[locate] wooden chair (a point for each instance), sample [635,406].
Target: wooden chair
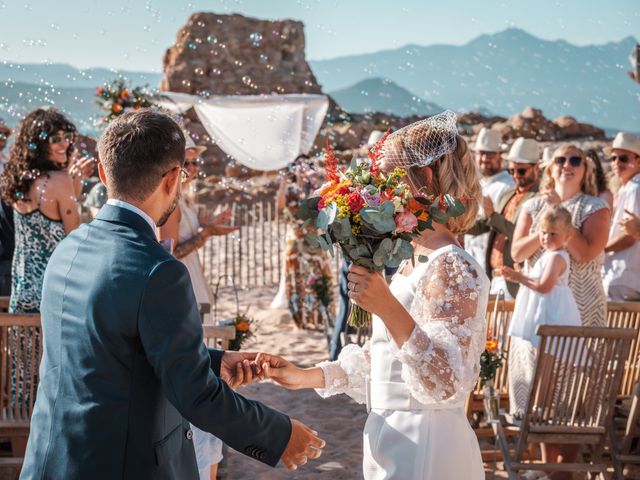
[4,304]
[625,449]
[578,373]
[20,354]
[217,336]
[498,318]
[627,315]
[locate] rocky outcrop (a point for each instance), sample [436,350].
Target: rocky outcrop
[532,123]
[235,55]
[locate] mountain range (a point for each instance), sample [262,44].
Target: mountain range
[501,73]
[504,73]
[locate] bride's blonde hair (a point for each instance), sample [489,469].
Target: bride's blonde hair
[453,173]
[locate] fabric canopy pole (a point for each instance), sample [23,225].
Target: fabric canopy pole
[260,132]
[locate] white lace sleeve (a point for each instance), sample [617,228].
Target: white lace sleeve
[348,373]
[441,357]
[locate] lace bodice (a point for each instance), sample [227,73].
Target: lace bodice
[447,298]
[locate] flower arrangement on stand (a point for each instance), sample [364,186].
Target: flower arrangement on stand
[119,97]
[373,216]
[490,360]
[242,324]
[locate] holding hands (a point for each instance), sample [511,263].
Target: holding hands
[487,206]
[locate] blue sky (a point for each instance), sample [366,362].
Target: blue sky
[133,34]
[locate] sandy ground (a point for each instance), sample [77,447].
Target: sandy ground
[338,420]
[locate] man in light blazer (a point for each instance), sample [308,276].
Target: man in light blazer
[124,367]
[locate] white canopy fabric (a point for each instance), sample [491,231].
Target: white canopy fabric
[260,132]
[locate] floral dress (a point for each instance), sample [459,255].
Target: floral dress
[308,276]
[36,237]
[417,428]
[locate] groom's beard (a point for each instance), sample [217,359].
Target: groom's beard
[167,213]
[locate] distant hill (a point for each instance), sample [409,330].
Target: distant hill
[505,72]
[381,95]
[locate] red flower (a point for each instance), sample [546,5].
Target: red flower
[374,155]
[331,165]
[356,202]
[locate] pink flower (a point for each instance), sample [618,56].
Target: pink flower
[406,222]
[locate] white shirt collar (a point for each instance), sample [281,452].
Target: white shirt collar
[132,208]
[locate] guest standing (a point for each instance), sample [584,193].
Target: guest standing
[6,222]
[499,220]
[568,181]
[43,195]
[622,261]
[602,184]
[494,180]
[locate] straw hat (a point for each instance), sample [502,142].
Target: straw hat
[191,145]
[524,150]
[625,141]
[374,137]
[547,156]
[488,140]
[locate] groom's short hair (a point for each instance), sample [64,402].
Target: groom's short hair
[136,150]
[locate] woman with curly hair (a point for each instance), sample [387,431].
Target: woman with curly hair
[43,192]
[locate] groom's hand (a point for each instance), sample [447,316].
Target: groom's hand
[304,444]
[237,368]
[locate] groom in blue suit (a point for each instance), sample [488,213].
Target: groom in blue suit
[124,368]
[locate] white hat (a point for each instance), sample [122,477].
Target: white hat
[547,156]
[625,141]
[524,150]
[374,137]
[191,145]
[488,140]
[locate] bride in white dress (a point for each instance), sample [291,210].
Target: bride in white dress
[428,333]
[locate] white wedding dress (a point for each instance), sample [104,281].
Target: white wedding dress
[417,427]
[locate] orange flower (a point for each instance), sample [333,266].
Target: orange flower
[243,326]
[124,94]
[117,108]
[491,345]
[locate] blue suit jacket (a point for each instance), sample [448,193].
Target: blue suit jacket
[124,366]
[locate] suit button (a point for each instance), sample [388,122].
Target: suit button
[189,434]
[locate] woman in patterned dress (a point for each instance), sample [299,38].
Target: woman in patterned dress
[569,180]
[305,265]
[43,195]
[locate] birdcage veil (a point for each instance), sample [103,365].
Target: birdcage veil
[422,142]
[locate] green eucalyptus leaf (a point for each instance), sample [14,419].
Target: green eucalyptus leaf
[326,216]
[341,229]
[455,207]
[402,250]
[308,209]
[312,240]
[379,219]
[423,258]
[438,215]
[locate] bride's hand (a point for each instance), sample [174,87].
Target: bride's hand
[286,374]
[368,289]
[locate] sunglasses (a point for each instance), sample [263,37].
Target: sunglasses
[622,158]
[183,173]
[519,171]
[191,163]
[4,134]
[573,161]
[69,137]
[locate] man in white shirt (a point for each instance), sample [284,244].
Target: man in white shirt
[622,261]
[495,181]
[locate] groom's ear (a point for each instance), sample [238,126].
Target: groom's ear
[101,174]
[169,181]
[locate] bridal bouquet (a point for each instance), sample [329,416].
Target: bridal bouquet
[372,216]
[118,97]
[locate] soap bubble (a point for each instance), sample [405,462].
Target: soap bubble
[246,80]
[216,71]
[192,46]
[256,38]
[264,57]
[211,39]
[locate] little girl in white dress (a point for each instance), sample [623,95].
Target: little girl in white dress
[543,299]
